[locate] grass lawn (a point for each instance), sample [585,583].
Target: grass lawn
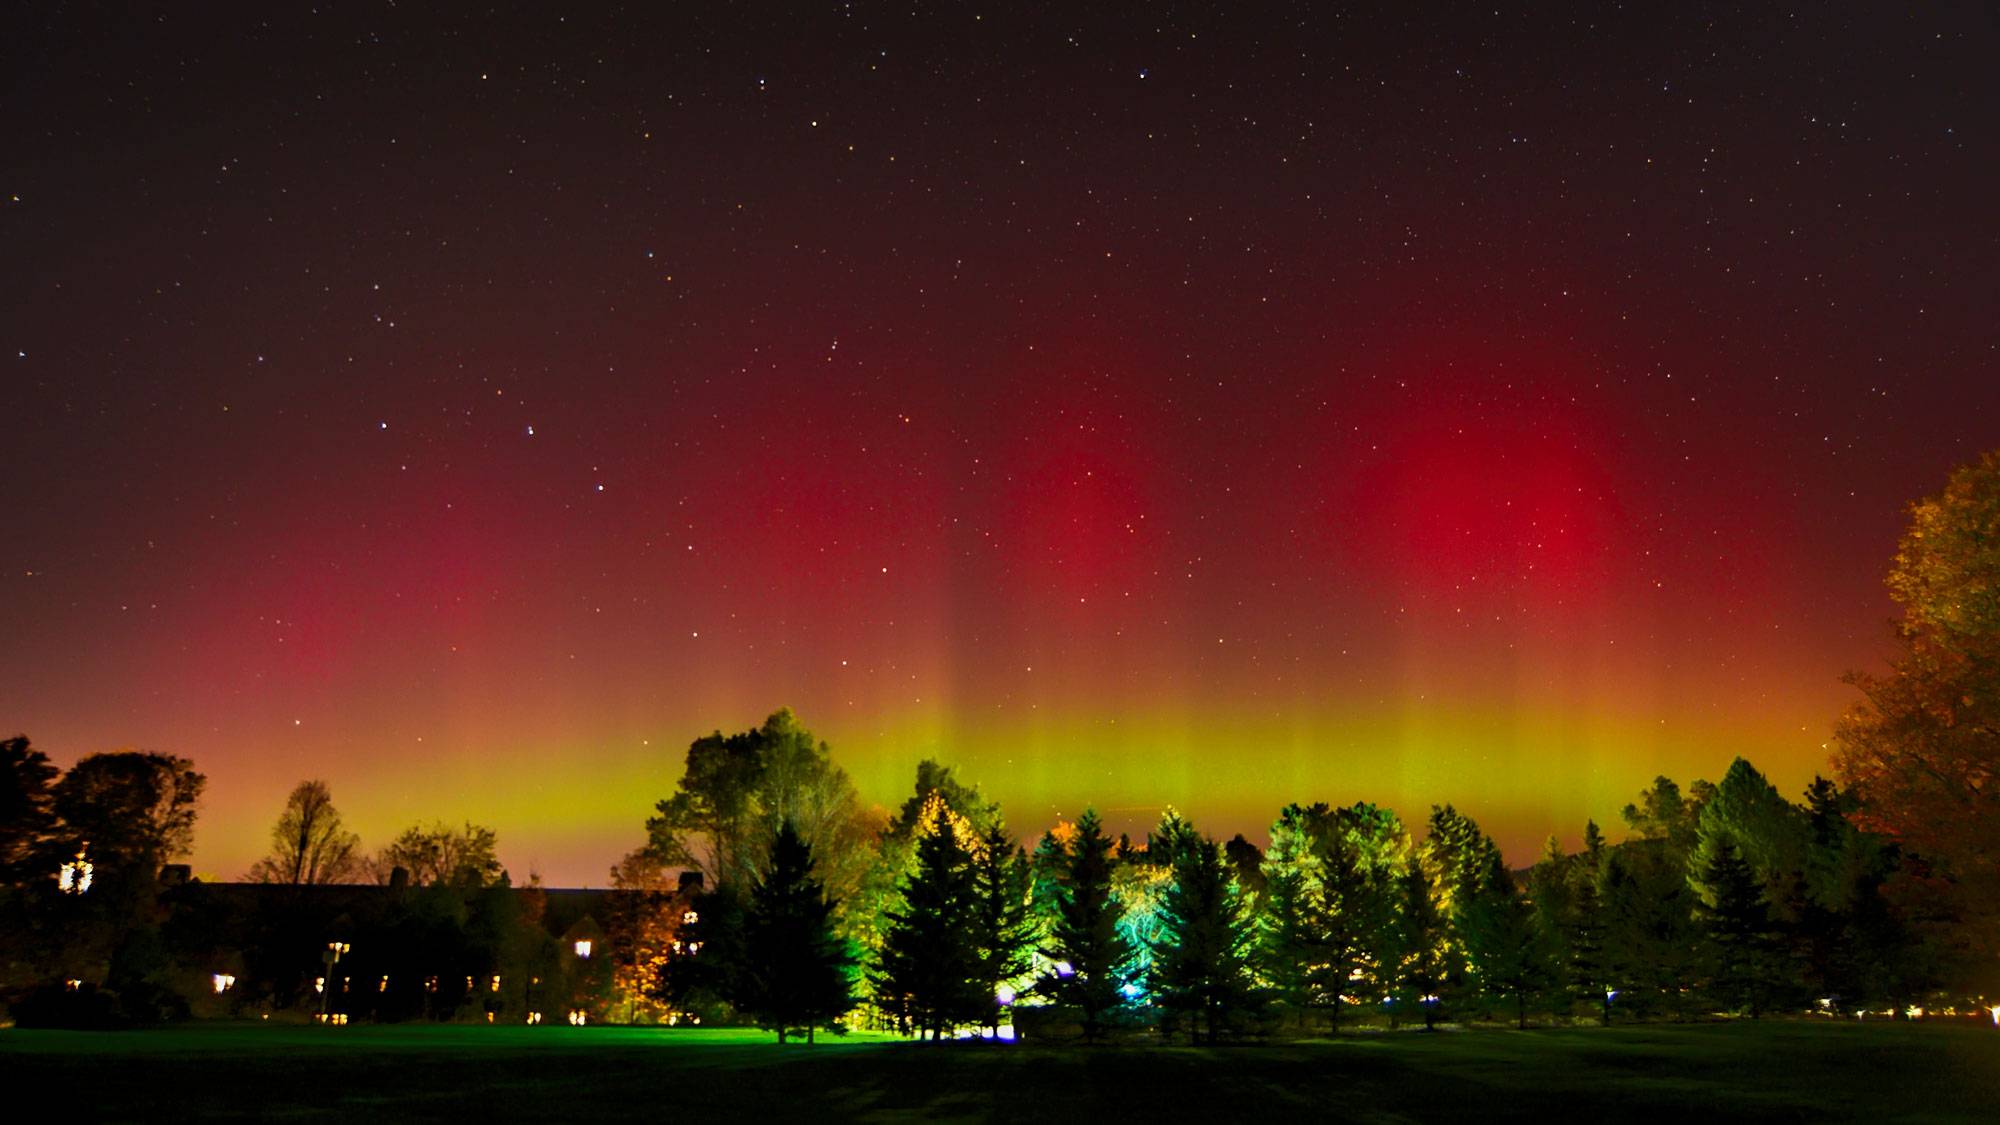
[1779,1071]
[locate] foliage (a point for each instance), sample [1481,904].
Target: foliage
[796,974]
[27,813]
[1744,970]
[1005,926]
[737,789]
[1201,960]
[931,970]
[309,844]
[1922,749]
[131,808]
[440,855]
[1087,953]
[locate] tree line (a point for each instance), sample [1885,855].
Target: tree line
[1876,890]
[1725,898]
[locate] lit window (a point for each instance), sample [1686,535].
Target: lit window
[583,948]
[223,982]
[690,917]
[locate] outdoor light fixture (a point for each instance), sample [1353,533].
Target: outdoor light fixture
[1994,1011]
[334,951]
[1006,996]
[73,878]
[534,1018]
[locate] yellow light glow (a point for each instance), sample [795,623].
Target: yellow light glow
[223,982]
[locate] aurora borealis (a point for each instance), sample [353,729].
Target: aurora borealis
[1217,410]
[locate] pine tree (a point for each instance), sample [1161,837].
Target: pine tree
[930,971]
[1088,953]
[1421,932]
[1584,926]
[1742,939]
[1201,962]
[1289,941]
[1507,952]
[795,973]
[1005,927]
[1352,911]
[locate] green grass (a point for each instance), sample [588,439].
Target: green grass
[1776,1071]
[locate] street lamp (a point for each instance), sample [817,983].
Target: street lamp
[334,950]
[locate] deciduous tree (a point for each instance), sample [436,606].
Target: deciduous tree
[309,844]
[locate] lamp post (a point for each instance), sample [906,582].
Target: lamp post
[332,958]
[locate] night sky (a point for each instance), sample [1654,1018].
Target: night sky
[1218,409]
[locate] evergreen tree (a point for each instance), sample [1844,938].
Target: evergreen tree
[931,973]
[1549,889]
[1290,915]
[1088,952]
[1742,939]
[1005,926]
[795,973]
[1421,932]
[1588,976]
[1201,963]
[1352,913]
[1507,952]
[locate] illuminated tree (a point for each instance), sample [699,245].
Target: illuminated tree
[1922,750]
[1088,954]
[931,971]
[440,855]
[1420,941]
[1460,858]
[879,890]
[644,927]
[1291,917]
[1201,961]
[796,974]
[309,844]
[1006,927]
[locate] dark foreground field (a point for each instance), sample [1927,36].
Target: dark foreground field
[1769,1071]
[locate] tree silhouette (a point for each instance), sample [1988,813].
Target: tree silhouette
[1201,962]
[796,974]
[1737,915]
[1088,953]
[309,844]
[27,814]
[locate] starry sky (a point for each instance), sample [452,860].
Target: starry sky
[1216,407]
